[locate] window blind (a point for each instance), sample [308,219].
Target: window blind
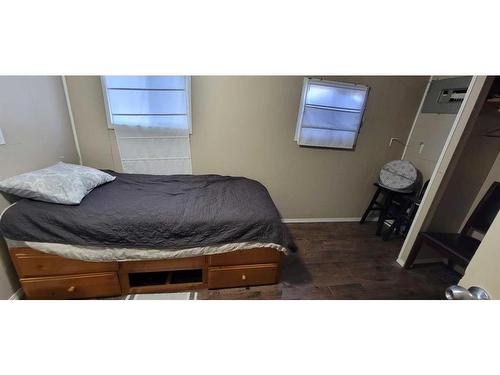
[151,116]
[330,114]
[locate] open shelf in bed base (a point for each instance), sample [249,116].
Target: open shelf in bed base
[47,276]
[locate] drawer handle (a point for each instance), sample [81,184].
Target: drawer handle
[71,289]
[243,277]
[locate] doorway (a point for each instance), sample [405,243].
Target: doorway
[468,165]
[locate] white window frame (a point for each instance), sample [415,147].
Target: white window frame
[305,88]
[108,111]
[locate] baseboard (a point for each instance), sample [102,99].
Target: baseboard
[19,294]
[321,220]
[325,220]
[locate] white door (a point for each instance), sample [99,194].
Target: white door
[484,269]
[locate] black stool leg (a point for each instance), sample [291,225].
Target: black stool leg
[413,212]
[398,220]
[383,212]
[393,228]
[370,206]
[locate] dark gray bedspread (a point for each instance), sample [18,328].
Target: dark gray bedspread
[176,212]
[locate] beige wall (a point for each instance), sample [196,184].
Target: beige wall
[97,143]
[245,126]
[35,122]
[431,131]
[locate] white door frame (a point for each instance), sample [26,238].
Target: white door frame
[474,92]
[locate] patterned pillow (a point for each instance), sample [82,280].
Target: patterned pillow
[61,183]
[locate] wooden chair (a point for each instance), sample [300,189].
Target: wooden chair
[460,247]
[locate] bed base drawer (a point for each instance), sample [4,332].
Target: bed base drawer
[72,287]
[244,275]
[47,276]
[32,263]
[254,256]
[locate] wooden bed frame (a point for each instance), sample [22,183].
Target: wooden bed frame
[47,276]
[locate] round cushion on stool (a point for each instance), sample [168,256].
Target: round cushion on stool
[398,175]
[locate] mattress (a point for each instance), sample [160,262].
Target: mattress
[152,217]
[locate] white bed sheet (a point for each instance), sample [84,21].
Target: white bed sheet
[106,254]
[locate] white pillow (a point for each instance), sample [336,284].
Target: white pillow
[60,183]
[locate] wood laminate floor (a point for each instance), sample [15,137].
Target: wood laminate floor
[345,261]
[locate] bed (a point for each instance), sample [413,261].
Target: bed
[146,233]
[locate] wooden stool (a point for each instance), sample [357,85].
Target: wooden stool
[388,199]
[407,211]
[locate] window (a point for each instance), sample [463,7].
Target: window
[330,114]
[156,101]
[151,116]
